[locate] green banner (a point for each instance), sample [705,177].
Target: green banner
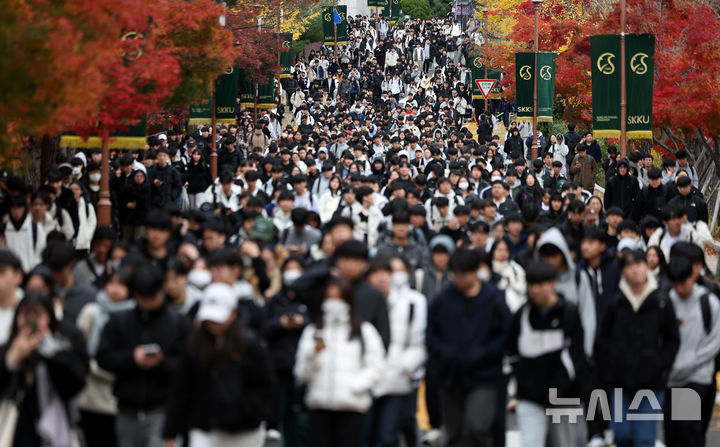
[524,70]
[200,113]
[247,91]
[372,4]
[226,93]
[546,86]
[383,5]
[266,95]
[524,74]
[640,69]
[329,25]
[478,72]
[286,54]
[605,62]
[639,72]
[395,11]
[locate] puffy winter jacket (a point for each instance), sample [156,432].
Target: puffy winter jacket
[406,354]
[341,376]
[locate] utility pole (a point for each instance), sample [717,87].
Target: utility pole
[534,147]
[623,84]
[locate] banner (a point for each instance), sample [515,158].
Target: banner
[546,87]
[286,54]
[395,11]
[226,93]
[132,138]
[328,25]
[383,5]
[266,95]
[478,72]
[605,62]
[524,63]
[640,72]
[247,91]
[606,83]
[524,74]
[372,4]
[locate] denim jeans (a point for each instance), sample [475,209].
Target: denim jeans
[386,418]
[134,430]
[635,433]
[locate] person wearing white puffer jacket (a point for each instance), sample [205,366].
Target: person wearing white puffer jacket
[394,396]
[340,359]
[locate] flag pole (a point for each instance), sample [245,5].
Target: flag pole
[623,81]
[335,30]
[213,136]
[534,147]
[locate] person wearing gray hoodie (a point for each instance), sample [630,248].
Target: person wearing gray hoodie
[698,315]
[572,283]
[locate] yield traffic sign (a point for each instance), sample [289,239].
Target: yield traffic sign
[485,86]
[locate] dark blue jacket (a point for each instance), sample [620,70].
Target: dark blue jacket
[466,337]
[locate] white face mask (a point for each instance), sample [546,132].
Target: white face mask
[335,307]
[76,170]
[463,185]
[483,275]
[492,179]
[199,278]
[95,177]
[399,280]
[290,276]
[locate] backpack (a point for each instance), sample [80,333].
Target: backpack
[707,322]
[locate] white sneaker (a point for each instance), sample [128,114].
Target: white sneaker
[597,441]
[274,435]
[432,437]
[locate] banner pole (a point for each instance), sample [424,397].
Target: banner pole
[487,39]
[213,136]
[335,30]
[534,147]
[623,84]
[104,202]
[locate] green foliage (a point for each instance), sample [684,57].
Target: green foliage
[440,7]
[313,31]
[417,8]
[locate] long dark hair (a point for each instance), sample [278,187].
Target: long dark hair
[348,295]
[203,347]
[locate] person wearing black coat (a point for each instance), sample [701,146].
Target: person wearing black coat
[134,201]
[635,347]
[222,391]
[514,143]
[622,189]
[197,178]
[142,348]
[691,200]
[166,183]
[651,199]
[44,359]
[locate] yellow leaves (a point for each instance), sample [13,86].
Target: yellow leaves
[500,18]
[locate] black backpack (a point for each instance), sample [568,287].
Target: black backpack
[707,322]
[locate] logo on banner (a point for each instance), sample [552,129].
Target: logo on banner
[286,44]
[229,70]
[546,72]
[605,64]
[638,64]
[477,62]
[525,72]
[485,86]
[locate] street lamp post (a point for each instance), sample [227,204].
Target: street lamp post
[623,93]
[534,147]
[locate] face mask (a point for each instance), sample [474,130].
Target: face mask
[492,179]
[334,307]
[290,276]
[399,280]
[463,185]
[199,278]
[95,177]
[76,171]
[484,275]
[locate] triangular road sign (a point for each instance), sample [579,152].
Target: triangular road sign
[485,86]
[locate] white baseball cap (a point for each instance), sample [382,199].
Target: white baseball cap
[217,304]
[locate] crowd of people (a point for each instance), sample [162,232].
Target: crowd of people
[338,262]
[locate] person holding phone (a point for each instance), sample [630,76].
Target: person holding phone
[42,367]
[142,348]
